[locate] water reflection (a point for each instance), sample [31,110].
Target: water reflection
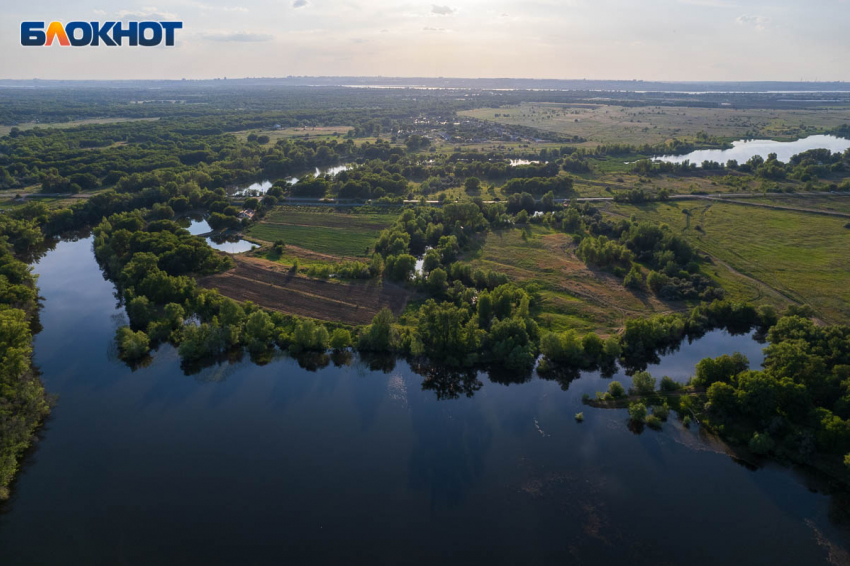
[330,456]
[743,150]
[230,244]
[261,187]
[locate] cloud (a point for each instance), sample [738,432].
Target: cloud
[442,10]
[299,3]
[427,28]
[757,22]
[238,36]
[99,12]
[146,14]
[204,6]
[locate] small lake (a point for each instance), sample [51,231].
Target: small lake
[515,162]
[230,244]
[195,224]
[260,188]
[743,150]
[322,460]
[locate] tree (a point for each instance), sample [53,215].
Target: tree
[472,185]
[132,345]
[437,281]
[637,412]
[643,383]
[615,388]
[340,339]
[634,278]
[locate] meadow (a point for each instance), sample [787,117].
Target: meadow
[572,294]
[763,255]
[601,124]
[335,234]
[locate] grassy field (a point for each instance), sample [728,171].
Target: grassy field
[655,124]
[765,255]
[311,132]
[4,130]
[332,233]
[574,296]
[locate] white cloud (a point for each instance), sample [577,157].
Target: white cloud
[442,10]
[147,13]
[757,22]
[299,3]
[99,12]
[238,36]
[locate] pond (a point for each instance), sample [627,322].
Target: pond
[245,464]
[261,187]
[230,244]
[515,162]
[743,150]
[196,224]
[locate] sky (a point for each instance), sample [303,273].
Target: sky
[672,40]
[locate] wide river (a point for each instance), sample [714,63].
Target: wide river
[277,464]
[743,150]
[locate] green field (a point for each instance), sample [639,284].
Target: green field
[792,256]
[599,123]
[573,295]
[331,233]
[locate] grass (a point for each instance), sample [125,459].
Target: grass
[4,130]
[331,233]
[793,256]
[656,124]
[572,295]
[312,133]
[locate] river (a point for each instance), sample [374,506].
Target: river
[743,150]
[264,464]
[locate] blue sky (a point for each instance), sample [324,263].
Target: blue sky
[594,39]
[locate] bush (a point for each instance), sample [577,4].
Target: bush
[761,443]
[687,421]
[668,384]
[653,421]
[637,412]
[132,345]
[580,418]
[643,383]
[661,411]
[615,388]
[340,339]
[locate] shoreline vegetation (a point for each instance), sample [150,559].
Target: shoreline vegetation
[506,275]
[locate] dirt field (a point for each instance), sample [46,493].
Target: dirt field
[271,286]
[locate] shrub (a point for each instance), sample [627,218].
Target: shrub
[637,412]
[132,345]
[653,421]
[616,390]
[668,384]
[643,383]
[661,411]
[340,339]
[687,421]
[580,418]
[761,443]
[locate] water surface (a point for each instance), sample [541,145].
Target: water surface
[247,464]
[743,150]
[230,244]
[260,187]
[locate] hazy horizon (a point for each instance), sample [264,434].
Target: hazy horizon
[654,40]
